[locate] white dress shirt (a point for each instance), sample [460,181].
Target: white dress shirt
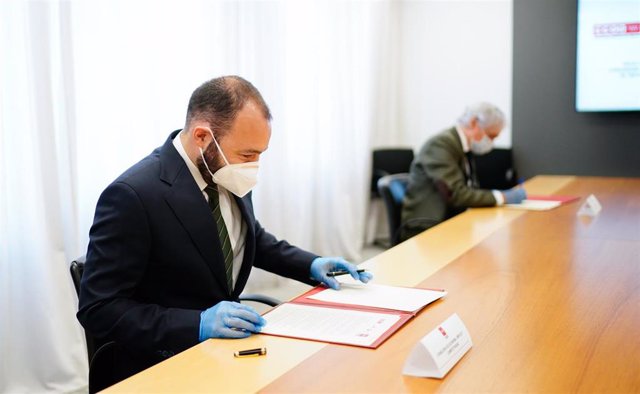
[231,214]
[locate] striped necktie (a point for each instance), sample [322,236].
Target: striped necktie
[227,252]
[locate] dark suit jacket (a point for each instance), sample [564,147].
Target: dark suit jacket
[154,261]
[437,187]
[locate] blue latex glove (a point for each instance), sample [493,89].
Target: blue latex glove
[514,196]
[321,266]
[229,319]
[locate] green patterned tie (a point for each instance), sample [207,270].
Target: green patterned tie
[227,252]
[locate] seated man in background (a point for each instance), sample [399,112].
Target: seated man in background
[442,181]
[175,236]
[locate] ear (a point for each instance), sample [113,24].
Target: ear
[201,136]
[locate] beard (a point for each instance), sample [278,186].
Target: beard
[214,161]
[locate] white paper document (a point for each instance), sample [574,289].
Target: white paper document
[438,351]
[328,324]
[535,205]
[380,296]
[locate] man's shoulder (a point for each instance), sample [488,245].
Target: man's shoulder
[445,139]
[141,180]
[151,167]
[143,171]
[447,135]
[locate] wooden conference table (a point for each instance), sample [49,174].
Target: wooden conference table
[551,300]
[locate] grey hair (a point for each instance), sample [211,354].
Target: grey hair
[486,113]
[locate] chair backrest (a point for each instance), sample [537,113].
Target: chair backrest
[77,269]
[389,161]
[101,354]
[392,189]
[495,170]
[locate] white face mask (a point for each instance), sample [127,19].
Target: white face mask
[239,178]
[483,146]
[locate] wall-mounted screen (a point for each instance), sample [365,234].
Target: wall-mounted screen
[608,55]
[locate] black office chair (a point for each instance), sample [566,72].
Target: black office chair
[392,189]
[387,161]
[77,269]
[495,170]
[103,355]
[261,298]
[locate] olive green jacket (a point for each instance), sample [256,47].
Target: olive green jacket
[438,188]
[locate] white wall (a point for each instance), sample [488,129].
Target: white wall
[453,53]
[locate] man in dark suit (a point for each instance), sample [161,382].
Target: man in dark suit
[174,237]
[442,181]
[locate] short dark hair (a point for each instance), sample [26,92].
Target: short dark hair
[218,101]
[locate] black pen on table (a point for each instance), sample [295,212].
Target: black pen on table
[260,351]
[341,272]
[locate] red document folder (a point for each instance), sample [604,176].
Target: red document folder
[403,316]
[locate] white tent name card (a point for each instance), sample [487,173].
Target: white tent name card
[591,207]
[438,351]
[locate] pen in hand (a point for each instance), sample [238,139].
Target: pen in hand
[341,272]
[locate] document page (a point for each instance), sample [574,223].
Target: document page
[380,296]
[328,324]
[535,205]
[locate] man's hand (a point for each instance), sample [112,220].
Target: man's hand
[321,266]
[229,320]
[514,196]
